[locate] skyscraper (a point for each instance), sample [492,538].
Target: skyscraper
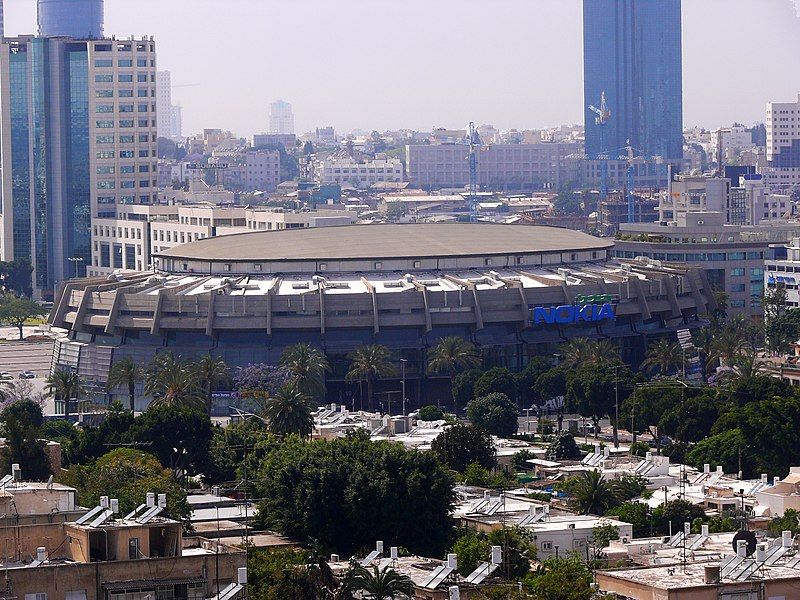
[80,19]
[164,103]
[783,144]
[281,118]
[78,135]
[632,53]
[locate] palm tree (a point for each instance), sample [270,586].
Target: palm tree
[746,365]
[451,355]
[210,369]
[307,366]
[368,363]
[575,352]
[727,344]
[703,339]
[289,411]
[65,386]
[125,372]
[590,493]
[172,382]
[378,584]
[662,355]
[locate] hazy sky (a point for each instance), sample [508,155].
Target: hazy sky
[380,64]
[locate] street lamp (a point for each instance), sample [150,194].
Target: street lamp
[403,362]
[76,260]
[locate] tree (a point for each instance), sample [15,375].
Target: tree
[472,549]
[172,382]
[637,514]
[593,390]
[520,460]
[369,363]
[127,474]
[662,355]
[495,413]
[22,422]
[231,446]
[464,386]
[552,385]
[590,493]
[431,413]
[602,535]
[210,370]
[65,386]
[580,352]
[774,302]
[690,420]
[703,340]
[563,447]
[496,380]
[527,392]
[724,449]
[348,492]
[15,277]
[452,355]
[17,310]
[783,329]
[377,584]
[462,445]
[787,522]
[677,512]
[178,435]
[260,380]
[289,411]
[306,365]
[561,579]
[125,372]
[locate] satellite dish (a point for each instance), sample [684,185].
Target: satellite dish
[747,536]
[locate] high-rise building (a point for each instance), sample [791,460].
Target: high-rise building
[281,118]
[176,120]
[164,103]
[78,135]
[2,20]
[632,54]
[783,144]
[80,19]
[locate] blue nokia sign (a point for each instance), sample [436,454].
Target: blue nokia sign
[569,314]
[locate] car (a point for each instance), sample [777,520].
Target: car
[27,375]
[5,376]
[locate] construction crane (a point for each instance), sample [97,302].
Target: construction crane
[603,117]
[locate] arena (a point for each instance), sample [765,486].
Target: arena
[516,291]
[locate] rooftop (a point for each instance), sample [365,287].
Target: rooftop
[387,241]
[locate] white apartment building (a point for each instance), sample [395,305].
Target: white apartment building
[262,171]
[500,166]
[176,118]
[164,103]
[348,171]
[783,144]
[693,194]
[128,242]
[730,141]
[281,117]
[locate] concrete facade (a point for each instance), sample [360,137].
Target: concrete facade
[783,144]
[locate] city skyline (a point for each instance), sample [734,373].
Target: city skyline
[439,38]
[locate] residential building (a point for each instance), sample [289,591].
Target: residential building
[84,148]
[164,103]
[783,144]
[632,56]
[325,136]
[262,170]
[79,19]
[345,170]
[273,140]
[524,167]
[109,557]
[281,118]
[731,141]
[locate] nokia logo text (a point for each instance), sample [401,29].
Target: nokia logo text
[567,314]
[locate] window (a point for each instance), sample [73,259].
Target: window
[126,93]
[104,78]
[737,287]
[735,255]
[104,108]
[104,124]
[106,154]
[547,546]
[127,185]
[36,596]
[105,185]
[141,62]
[226,267]
[126,139]
[105,170]
[126,169]
[133,548]
[126,123]
[103,62]
[144,153]
[104,93]
[125,62]
[141,93]
[104,139]
[141,77]
[126,108]
[378,266]
[256,267]
[143,122]
[737,272]
[143,107]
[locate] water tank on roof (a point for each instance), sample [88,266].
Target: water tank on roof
[80,19]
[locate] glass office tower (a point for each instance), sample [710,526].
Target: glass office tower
[78,135]
[79,19]
[632,52]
